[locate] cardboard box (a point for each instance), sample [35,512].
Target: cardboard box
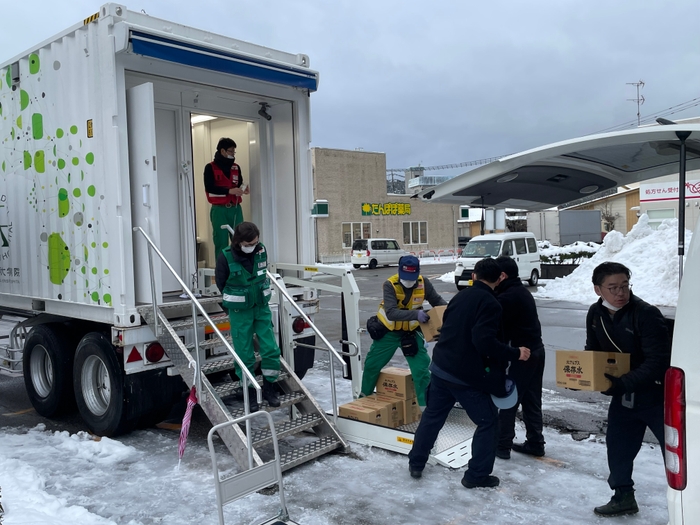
[431,329]
[396,382]
[393,405]
[412,411]
[585,370]
[361,413]
[388,418]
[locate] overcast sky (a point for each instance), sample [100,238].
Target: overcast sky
[444,82]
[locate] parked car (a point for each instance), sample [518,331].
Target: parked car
[376,252]
[521,246]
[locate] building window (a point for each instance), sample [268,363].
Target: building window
[415,232]
[355,230]
[656,217]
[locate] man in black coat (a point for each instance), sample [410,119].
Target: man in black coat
[521,326]
[469,363]
[621,322]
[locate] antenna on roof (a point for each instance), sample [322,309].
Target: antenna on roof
[639,100]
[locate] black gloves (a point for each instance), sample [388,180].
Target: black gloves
[618,387]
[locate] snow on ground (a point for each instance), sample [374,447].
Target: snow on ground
[51,478]
[651,255]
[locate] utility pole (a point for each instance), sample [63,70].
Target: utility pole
[639,100]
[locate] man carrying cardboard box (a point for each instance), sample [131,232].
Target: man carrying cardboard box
[621,322]
[400,313]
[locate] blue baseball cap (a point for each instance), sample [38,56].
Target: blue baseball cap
[409,268]
[511,397]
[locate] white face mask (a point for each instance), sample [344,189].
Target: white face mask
[609,306]
[230,157]
[248,249]
[408,284]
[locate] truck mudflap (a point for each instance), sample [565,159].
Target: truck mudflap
[149,396]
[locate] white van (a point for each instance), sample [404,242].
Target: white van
[521,246]
[376,252]
[682,410]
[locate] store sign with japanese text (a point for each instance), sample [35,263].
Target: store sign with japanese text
[668,191]
[388,208]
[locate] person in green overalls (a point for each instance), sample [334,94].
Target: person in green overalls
[400,312]
[241,275]
[223,183]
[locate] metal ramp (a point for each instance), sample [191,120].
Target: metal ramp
[206,363]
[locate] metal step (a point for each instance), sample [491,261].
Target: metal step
[286,428]
[309,451]
[229,388]
[286,400]
[219,365]
[186,322]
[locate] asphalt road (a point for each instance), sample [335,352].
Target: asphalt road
[562,326]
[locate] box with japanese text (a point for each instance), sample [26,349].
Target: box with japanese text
[393,405]
[431,329]
[585,370]
[412,412]
[364,413]
[388,419]
[396,382]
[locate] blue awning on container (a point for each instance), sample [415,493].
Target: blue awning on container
[222,61]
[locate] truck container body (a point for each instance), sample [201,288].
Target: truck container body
[562,227]
[107,127]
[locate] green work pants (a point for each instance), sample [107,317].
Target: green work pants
[381,352]
[258,321]
[219,216]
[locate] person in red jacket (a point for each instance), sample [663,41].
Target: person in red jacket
[223,184]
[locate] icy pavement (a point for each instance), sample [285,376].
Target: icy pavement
[56,478]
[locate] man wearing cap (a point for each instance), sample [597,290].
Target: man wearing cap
[469,363]
[400,312]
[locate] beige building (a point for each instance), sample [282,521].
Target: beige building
[354,184]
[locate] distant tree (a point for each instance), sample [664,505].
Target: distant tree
[516,225]
[609,217]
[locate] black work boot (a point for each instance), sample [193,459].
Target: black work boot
[253,399]
[531,449]
[621,503]
[269,394]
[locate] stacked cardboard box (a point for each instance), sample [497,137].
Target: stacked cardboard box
[585,370]
[397,383]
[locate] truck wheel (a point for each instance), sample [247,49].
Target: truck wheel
[356,266]
[534,278]
[373,264]
[48,371]
[99,386]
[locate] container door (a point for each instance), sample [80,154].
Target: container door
[144,188]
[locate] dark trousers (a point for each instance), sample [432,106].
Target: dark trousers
[626,427]
[528,378]
[480,409]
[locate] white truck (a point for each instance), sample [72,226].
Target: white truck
[562,227]
[106,239]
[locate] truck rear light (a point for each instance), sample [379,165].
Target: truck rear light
[298,325]
[674,429]
[367,253]
[154,352]
[134,356]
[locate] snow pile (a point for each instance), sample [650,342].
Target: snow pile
[569,254]
[651,255]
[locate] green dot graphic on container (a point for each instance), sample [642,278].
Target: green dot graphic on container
[59,259]
[23,99]
[39,164]
[84,270]
[106,272]
[8,77]
[27,160]
[63,202]
[3,165]
[90,158]
[107,299]
[37,126]
[94,245]
[59,133]
[90,190]
[19,122]
[33,63]
[76,192]
[85,251]
[61,164]
[95,296]
[94,271]
[74,130]
[82,175]
[75,161]
[105,244]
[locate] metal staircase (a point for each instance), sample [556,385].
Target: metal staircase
[300,422]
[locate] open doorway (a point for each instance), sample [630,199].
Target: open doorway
[206,132]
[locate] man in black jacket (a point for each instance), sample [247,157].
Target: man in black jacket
[469,363]
[522,328]
[621,322]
